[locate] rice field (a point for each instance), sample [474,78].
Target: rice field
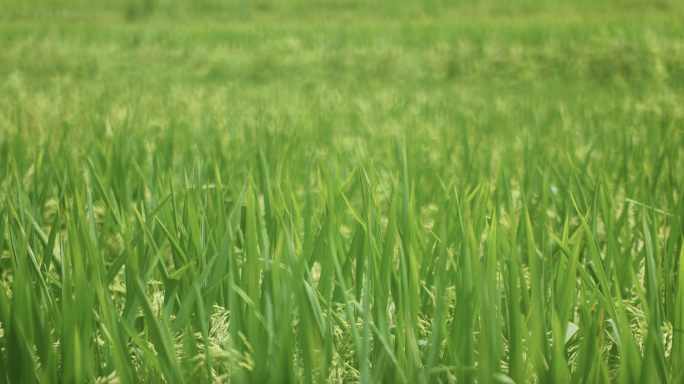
[342,191]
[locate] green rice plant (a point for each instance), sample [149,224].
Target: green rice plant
[310,192]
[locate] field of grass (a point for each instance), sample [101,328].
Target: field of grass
[342,191]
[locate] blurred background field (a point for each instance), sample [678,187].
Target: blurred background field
[215,58]
[499,68]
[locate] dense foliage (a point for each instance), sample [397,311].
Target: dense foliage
[325,191]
